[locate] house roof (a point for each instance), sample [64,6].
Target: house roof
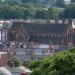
[3,52]
[45,40]
[20,69]
[32,27]
[24,69]
[4,71]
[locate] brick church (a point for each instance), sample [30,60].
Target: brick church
[53,31]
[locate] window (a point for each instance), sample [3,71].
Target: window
[60,21]
[3,35]
[52,21]
[1,25]
[66,21]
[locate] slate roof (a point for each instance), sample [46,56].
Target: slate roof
[41,28]
[45,28]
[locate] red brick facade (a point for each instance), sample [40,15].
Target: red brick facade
[23,74]
[3,59]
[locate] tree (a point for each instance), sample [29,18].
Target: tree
[40,14]
[69,12]
[4,11]
[62,63]
[2,1]
[72,1]
[13,1]
[27,14]
[37,71]
[34,64]
[14,12]
[60,3]
[16,62]
[53,13]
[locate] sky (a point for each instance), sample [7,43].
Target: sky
[66,0]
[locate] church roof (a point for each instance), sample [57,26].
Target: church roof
[51,28]
[45,28]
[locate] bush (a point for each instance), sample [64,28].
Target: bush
[62,63]
[16,62]
[34,64]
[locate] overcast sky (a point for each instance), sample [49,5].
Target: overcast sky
[67,0]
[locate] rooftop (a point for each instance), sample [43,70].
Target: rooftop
[32,27]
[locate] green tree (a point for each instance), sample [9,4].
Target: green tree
[34,64]
[41,14]
[37,71]
[14,12]
[53,13]
[62,63]
[69,12]
[16,62]
[12,2]
[72,1]
[60,3]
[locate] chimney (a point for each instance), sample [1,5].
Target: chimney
[11,64]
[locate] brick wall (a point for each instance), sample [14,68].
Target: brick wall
[23,74]
[3,59]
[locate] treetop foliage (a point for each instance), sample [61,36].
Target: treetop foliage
[62,63]
[35,9]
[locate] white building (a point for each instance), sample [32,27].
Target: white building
[4,25]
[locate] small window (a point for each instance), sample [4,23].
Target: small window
[52,21]
[60,21]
